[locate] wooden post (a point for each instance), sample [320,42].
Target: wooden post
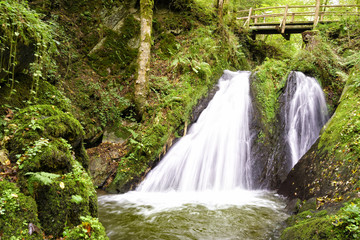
[293,17]
[316,17]
[249,18]
[283,23]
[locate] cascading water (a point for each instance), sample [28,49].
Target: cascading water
[214,155]
[307,115]
[201,188]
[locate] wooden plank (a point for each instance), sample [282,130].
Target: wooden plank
[317,10]
[249,18]
[283,23]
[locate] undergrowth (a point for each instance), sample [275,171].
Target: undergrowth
[22,31]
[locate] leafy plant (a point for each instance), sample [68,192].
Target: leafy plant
[90,228]
[34,149]
[19,27]
[76,199]
[43,178]
[348,221]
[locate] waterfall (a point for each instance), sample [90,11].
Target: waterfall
[215,154]
[307,114]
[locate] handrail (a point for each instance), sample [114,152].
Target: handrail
[299,6]
[318,15]
[299,14]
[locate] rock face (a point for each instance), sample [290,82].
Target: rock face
[104,161]
[327,171]
[269,152]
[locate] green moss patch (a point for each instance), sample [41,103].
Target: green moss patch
[118,50]
[62,200]
[18,214]
[270,78]
[37,121]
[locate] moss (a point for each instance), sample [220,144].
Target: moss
[37,121]
[57,208]
[308,205]
[270,78]
[340,140]
[312,228]
[146,7]
[116,54]
[305,215]
[17,213]
[49,94]
[45,156]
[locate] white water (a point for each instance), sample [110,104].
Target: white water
[307,115]
[214,155]
[200,189]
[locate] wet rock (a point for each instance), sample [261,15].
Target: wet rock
[269,148]
[104,162]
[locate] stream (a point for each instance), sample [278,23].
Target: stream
[236,214]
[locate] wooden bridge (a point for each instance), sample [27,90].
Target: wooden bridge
[287,20]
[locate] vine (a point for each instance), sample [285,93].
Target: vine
[20,26]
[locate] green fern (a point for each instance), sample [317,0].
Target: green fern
[44,178]
[76,199]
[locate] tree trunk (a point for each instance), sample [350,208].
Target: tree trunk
[144,55]
[220,5]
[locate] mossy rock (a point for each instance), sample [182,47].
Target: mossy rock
[18,214]
[117,52]
[49,94]
[53,157]
[329,167]
[313,228]
[90,228]
[308,205]
[63,199]
[44,121]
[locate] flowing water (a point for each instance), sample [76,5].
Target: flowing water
[202,188]
[307,115]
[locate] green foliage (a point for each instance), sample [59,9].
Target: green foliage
[23,31]
[49,94]
[270,78]
[17,211]
[76,199]
[347,221]
[34,122]
[62,201]
[90,228]
[118,51]
[43,178]
[31,152]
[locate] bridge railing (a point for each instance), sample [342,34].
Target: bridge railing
[286,14]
